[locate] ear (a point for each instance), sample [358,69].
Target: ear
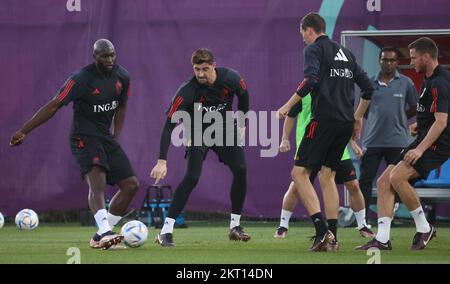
[214,64]
[428,57]
[308,30]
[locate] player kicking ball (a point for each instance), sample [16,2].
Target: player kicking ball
[99,93]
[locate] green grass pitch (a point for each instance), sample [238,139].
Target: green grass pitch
[207,243]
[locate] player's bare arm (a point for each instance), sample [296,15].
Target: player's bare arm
[40,117]
[285,145]
[159,171]
[359,114]
[284,110]
[119,119]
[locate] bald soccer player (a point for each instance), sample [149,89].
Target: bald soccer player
[99,93]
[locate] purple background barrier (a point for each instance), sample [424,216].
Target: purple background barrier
[41,43]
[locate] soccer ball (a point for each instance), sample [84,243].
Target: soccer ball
[135,233]
[2,220]
[27,219]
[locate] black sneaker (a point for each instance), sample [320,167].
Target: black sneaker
[321,243]
[238,234]
[281,233]
[421,240]
[165,240]
[375,244]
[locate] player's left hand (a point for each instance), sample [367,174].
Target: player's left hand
[412,156]
[283,111]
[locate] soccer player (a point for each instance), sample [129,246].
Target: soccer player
[345,174]
[428,151]
[330,72]
[99,93]
[214,88]
[393,102]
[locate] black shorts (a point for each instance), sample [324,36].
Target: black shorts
[431,159]
[323,144]
[104,152]
[229,155]
[345,172]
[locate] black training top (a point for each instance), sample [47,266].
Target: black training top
[434,97]
[215,98]
[330,72]
[95,97]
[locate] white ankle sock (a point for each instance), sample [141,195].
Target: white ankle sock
[168,226]
[361,218]
[101,218]
[422,225]
[235,220]
[285,217]
[113,220]
[384,229]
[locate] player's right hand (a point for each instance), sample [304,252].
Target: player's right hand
[358,151]
[159,171]
[285,146]
[357,129]
[17,138]
[413,129]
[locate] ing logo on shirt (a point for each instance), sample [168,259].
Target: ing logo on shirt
[106,107]
[420,108]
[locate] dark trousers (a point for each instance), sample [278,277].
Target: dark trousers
[370,162]
[232,156]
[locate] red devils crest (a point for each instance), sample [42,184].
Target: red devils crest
[202,100]
[224,94]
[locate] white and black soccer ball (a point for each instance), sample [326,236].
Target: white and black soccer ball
[135,233]
[2,220]
[27,219]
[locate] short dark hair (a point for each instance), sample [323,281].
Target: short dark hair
[202,55]
[425,45]
[389,49]
[313,20]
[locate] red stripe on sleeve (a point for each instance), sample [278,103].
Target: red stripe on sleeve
[243,85]
[129,89]
[66,90]
[302,84]
[434,93]
[176,104]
